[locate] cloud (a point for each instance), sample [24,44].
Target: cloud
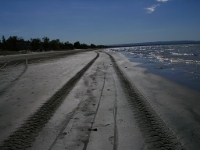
[162,1]
[151,8]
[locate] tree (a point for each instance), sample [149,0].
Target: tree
[11,43]
[22,44]
[35,44]
[55,44]
[68,45]
[62,45]
[46,43]
[93,46]
[15,43]
[3,43]
[84,46]
[77,45]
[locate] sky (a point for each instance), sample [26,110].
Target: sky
[101,22]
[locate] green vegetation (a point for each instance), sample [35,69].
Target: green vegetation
[15,45]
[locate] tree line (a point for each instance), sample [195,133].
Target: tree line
[14,43]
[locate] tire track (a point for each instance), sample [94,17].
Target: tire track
[25,135]
[64,124]
[115,146]
[38,57]
[53,57]
[13,63]
[48,58]
[3,65]
[157,134]
[17,78]
[34,59]
[99,101]
[82,108]
[27,61]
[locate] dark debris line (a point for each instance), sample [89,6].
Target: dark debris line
[157,134]
[26,134]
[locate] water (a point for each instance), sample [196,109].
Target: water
[178,63]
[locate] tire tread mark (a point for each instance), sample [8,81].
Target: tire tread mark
[3,65]
[99,101]
[17,78]
[26,134]
[35,59]
[157,134]
[115,146]
[13,63]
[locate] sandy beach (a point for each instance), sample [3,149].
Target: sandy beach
[92,100]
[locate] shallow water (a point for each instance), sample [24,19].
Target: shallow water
[178,63]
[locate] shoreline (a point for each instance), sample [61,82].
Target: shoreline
[176,104]
[173,74]
[99,109]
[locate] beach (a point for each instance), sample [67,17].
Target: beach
[93,100]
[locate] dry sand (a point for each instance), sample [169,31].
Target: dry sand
[93,100]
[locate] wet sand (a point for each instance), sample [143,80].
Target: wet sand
[178,106]
[93,100]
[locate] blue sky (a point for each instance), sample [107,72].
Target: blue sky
[101,21]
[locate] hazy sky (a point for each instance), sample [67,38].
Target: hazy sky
[101,21]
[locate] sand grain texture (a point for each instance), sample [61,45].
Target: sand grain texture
[93,100]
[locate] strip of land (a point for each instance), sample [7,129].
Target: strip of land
[92,100]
